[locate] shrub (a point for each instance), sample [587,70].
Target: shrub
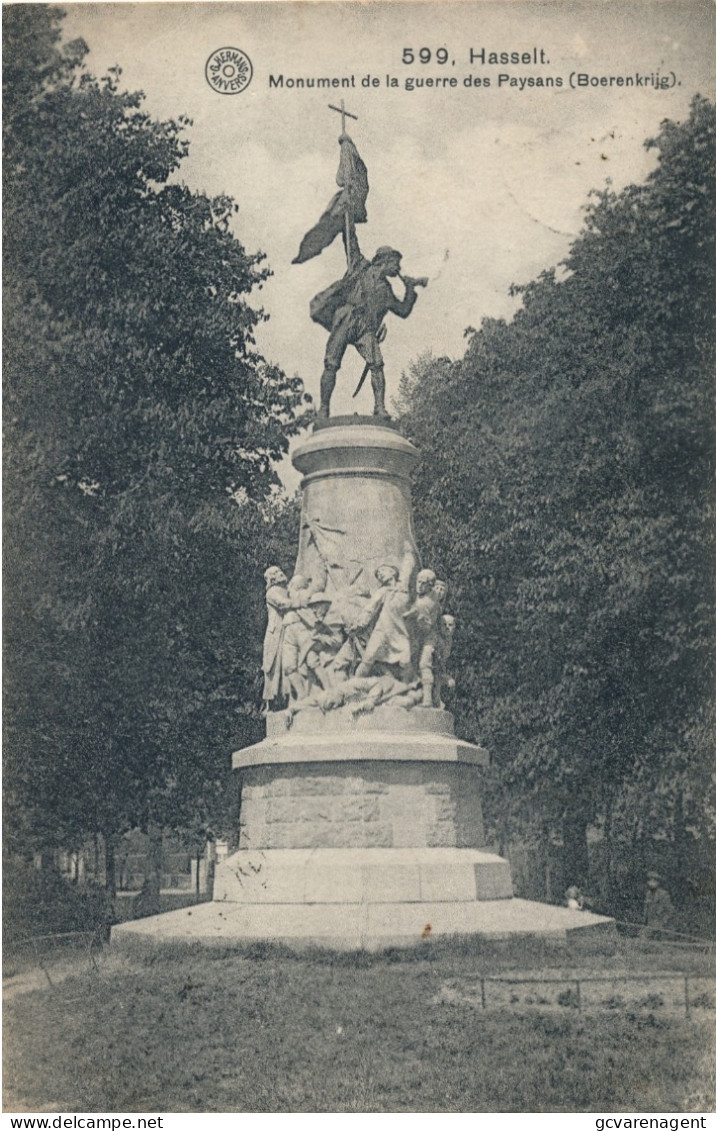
[42,902]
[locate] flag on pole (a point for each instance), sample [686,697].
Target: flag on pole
[352,177]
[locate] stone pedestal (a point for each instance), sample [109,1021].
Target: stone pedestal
[384,808]
[356,496]
[361,829]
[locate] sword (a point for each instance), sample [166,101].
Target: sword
[382,331]
[379,337]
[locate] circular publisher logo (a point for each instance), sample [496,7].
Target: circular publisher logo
[228,70]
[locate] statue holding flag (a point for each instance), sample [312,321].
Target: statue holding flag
[354,308]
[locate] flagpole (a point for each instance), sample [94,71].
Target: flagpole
[348,237]
[345,114]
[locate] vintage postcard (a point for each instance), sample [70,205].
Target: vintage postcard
[358,529]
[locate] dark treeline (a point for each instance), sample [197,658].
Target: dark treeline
[141,432]
[566,488]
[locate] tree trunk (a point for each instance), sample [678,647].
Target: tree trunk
[149,895]
[678,879]
[576,852]
[608,852]
[544,881]
[110,865]
[503,833]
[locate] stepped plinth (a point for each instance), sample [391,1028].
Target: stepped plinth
[361,814]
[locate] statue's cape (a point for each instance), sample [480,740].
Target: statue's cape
[325,304]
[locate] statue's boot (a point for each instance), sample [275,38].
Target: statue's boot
[378,383]
[328,384]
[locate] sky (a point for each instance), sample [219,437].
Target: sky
[479,187]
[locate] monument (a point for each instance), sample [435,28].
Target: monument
[360,817]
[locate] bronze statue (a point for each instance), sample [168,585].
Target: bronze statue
[354,308]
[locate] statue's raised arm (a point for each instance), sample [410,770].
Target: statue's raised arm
[355,259]
[354,308]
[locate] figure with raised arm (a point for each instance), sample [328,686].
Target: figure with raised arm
[384,617]
[281,656]
[353,311]
[354,308]
[301,665]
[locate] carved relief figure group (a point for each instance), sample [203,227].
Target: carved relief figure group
[330,647]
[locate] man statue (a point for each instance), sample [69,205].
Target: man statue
[278,603]
[384,616]
[440,590]
[281,601]
[424,617]
[442,655]
[353,309]
[362,694]
[300,664]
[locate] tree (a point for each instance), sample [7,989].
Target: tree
[565,486]
[142,429]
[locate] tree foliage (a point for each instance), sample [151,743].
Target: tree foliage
[565,486]
[142,428]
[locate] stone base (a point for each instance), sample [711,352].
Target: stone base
[353,899]
[423,734]
[364,926]
[360,805]
[362,876]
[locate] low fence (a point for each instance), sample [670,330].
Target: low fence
[671,992]
[664,934]
[39,949]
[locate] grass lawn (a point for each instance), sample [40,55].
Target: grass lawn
[262,1030]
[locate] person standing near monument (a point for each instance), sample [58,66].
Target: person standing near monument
[658,908]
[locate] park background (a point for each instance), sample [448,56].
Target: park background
[554,375]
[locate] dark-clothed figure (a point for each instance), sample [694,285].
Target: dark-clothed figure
[658,909]
[353,309]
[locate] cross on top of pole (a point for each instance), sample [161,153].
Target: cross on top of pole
[344,114]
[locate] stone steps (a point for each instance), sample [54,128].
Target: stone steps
[368,926]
